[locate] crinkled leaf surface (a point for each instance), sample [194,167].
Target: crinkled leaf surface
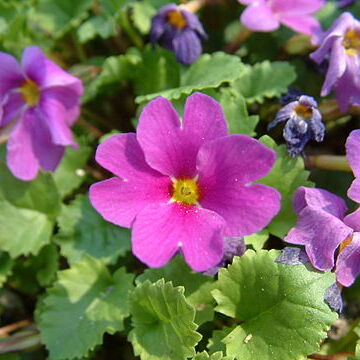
[197,287]
[83,231]
[205,356]
[286,176]
[209,71]
[264,80]
[237,116]
[83,304]
[163,321]
[70,173]
[281,308]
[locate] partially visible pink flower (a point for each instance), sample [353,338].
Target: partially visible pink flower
[331,239]
[183,185]
[340,46]
[267,15]
[38,103]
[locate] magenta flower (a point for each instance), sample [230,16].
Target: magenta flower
[330,238]
[267,15]
[183,185]
[38,104]
[340,46]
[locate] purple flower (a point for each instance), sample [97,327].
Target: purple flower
[267,15]
[38,104]
[343,3]
[340,45]
[330,238]
[303,123]
[184,185]
[178,30]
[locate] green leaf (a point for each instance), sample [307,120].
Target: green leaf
[257,240]
[142,15]
[209,71]
[29,274]
[216,343]
[23,231]
[205,356]
[97,25]
[286,176]
[83,231]
[163,321]
[59,16]
[115,70]
[264,80]
[70,174]
[281,308]
[237,116]
[197,287]
[84,303]
[6,266]
[40,194]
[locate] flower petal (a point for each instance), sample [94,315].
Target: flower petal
[296,7]
[319,199]
[10,73]
[122,155]
[13,107]
[348,264]
[225,167]
[259,17]
[304,24]
[171,146]
[54,114]
[119,201]
[353,151]
[45,72]
[187,46]
[353,220]
[159,231]
[354,190]
[21,159]
[321,233]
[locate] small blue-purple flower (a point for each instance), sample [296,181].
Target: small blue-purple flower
[178,30]
[344,3]
[303,123]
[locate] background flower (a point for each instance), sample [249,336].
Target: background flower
[184,185]
[178,30]
[39,103]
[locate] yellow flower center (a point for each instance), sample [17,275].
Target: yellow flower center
[351,42]
[176,19]
[303,111]
[185,191]
[30,92]
[345,243]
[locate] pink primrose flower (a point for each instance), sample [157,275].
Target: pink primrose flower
[267,15]
[183,185]
[38,103]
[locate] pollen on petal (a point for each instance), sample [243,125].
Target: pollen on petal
[185,191]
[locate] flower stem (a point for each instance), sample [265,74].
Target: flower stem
[194,5]
[327,162]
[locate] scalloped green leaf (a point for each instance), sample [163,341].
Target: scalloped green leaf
[70,173]
[264,80]
[215,343]
[205,356]
[83,304]
[163,322]
[209,71]
[257,240]
[197,287]
[83,231]
[286,176]
[281,308]
[236,113]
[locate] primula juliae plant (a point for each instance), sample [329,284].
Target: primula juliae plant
[184,184]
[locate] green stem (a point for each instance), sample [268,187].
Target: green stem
[328,162]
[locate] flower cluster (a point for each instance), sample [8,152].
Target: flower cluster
[178,30]
[266,15]
[340,46]
[303,123]
[184,185]
[330,238]
[38,104]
